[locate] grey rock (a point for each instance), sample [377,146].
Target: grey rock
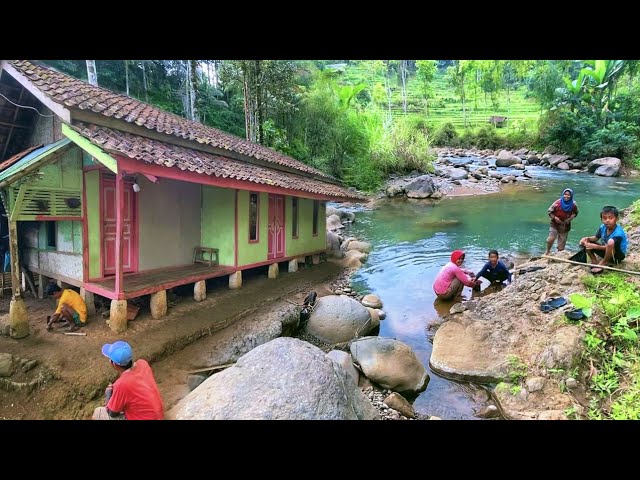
[284,379]
[390,363]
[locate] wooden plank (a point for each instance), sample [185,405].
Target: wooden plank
[90,148]
[210,369]
[15,261]
[592,265]
[18,203]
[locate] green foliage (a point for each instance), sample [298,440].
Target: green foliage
[582,302]
[618,139]
[517,369]
[611,345]
[446,135]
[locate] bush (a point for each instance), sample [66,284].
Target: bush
[618,139]
[487,137]
[566,130]
[446,136]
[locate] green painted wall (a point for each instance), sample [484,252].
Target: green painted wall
[218,217]
[65,172]
[92,184]
[249,253]
[306,242]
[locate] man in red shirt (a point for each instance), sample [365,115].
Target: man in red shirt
[135,394]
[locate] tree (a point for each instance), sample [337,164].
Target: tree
[426,71]
[91,72]
[457,73]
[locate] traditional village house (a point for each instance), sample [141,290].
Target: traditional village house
[122,199]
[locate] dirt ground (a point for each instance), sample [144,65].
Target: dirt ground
[71,372]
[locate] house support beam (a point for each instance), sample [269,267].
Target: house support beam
[200,290]
[235,280]
[89,299]
[315,259]
[119,285]
[293,265]
[159,304]
[274,270]
[118,316]
[18,320]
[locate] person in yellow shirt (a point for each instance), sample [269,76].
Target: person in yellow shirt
[71,308]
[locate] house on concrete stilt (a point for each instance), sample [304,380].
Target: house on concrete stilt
[122,199]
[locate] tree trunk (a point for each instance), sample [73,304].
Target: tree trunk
[92,73]
[145,87]
[194,89]
[126,76]
[260,104]
[403,77]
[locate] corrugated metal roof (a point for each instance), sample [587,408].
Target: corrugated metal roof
[32,158]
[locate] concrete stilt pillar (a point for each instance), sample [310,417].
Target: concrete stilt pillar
[42,284]
[89,300]
[18,320]
[235,280]
[200,290]
[315,259]
[293,265]
[274,270]
[159,304]
[118,315]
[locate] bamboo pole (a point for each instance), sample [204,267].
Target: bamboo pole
[590,264]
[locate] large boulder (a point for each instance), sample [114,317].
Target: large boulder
[333,245]
[458,174]
[334,223]
[390,363]
[337,319]
[506,159]
[344,359]
[364,247]
[285,379]
[612,162]
[421,187]
[555,160]
[461,353]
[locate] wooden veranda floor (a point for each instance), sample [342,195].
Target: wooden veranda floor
[144,283]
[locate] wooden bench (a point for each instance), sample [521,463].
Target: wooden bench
[200,252]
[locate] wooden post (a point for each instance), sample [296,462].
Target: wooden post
[119,217]
[17,310]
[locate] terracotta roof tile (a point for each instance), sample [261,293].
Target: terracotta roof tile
[154,151]
[74,93]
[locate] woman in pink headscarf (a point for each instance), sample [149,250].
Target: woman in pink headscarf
[451,279]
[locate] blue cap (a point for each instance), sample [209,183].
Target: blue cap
[118,352]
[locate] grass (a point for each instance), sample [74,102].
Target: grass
[447,107]
[612,347]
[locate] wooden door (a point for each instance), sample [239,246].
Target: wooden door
[276,227]
[129,227]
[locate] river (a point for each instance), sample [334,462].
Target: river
[413,239]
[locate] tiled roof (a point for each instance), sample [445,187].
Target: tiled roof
[74,93]
[167,155]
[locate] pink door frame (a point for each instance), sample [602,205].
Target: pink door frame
[276,227]
[130,225]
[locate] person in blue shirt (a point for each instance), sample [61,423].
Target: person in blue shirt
[494,270]
[609,242]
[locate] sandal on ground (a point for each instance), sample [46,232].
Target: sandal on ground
[597,270]
[575,314]
[553,303]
